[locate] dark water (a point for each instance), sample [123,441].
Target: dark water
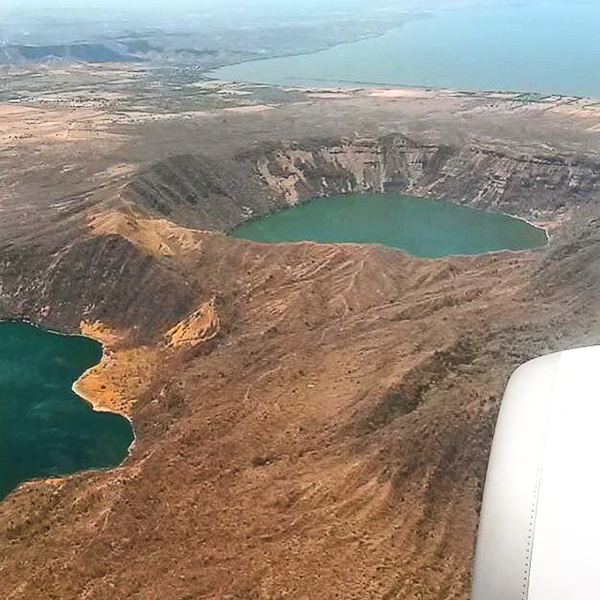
[45,428]
[549,47]
[428,228]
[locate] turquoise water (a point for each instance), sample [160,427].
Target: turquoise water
[47,430]
[427,228]
[543,47]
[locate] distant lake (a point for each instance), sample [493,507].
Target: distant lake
[423,227]
[542,47]
[46,430]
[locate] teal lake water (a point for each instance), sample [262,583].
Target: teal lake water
[543,47]
[426,228]
[46,430]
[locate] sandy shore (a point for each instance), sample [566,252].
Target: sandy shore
[117,381]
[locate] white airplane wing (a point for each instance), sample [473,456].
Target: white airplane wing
[539,533]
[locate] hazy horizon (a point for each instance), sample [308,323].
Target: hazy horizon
[31,7]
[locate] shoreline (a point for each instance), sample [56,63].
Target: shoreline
[215,74]
[96,406]
[393,91]
[337,89]
[423,14]
[75,386]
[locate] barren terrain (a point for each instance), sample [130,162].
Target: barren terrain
[312,421]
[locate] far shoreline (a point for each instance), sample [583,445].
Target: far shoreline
[441,75]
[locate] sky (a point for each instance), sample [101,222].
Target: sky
[198,6]
[178,6]
[277,8]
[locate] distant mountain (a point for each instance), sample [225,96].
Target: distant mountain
[82,52]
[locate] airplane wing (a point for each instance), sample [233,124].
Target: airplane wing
[539,533]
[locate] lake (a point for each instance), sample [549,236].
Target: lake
[542,47]
[46,430]
[423,227]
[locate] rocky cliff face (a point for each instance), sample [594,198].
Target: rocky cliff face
[478,175]
[198,191]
